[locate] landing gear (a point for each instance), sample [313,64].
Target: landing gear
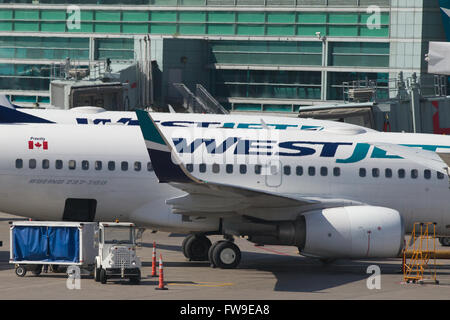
[195,247]
[224,254]
[445,241]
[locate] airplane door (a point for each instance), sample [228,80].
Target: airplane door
[273,172]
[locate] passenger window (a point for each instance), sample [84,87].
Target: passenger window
[427,174]
[323,171]
[401,173]
[414,174]
[124,166]
[299,170]
[58,164]
[440,175]
[32,163]
[287,170]
[85,165]
[190,167]
[375,172]
[111,165]
[137,166]
[362,172]
[202,168]
[337,172]
[258,169]
[243,169]
[229,168]
[45,164]
[72,164]
[98,165]
[19,163]
[388,173]
[312,171]
[215,168]
[150,167]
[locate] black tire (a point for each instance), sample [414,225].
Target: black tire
[21,271]
[136,279]
[226,255]
[197,248]
[183,245]
[103,277]
[97,274]
[210,253]
[445,241]
[37,270]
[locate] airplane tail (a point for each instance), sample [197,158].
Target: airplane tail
[4,102]
[10,114]
[165,162]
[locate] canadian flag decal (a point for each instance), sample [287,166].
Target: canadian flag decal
[37,143]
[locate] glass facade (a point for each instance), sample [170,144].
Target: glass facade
[44,48]
[362,3]
[201,22]
[266,53]
[336,80]
[267,84]
[285,52]
[359,54]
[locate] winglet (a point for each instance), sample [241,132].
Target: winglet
[161,153]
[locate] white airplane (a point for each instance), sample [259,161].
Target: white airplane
[13,114]
[330,195]
[87,173]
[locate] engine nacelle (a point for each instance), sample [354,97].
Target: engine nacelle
[353,232]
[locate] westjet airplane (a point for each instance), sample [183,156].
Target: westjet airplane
[331,195]
[10,113]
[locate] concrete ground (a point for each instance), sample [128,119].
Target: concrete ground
[268,272]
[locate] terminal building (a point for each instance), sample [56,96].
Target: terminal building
[251,55]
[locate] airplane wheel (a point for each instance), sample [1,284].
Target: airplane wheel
[183,245]
[226,255]
[197,248]
[210,253]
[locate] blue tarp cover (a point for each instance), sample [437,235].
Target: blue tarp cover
[47,244]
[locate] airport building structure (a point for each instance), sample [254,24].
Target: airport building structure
[252,55]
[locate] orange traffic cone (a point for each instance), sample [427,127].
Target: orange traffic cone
[161,275]
[154,261]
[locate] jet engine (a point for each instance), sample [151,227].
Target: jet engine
[354,232]
[344,232]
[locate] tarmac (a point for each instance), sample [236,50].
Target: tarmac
[265,273]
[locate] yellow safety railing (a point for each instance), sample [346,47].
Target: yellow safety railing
[423,251]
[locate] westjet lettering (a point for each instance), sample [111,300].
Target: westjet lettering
[239,146]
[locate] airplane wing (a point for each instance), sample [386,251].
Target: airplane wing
[213,197]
